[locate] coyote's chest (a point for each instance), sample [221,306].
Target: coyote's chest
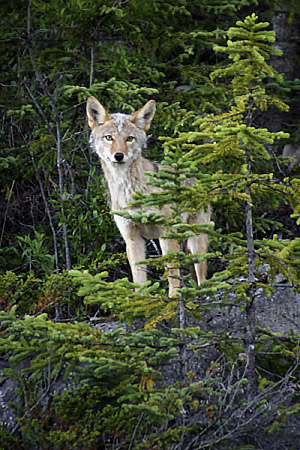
[123,182]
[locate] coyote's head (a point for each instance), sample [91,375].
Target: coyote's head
[118,138]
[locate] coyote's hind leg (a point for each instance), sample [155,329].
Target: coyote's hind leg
[173,273]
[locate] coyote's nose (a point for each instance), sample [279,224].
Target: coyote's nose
[119,156]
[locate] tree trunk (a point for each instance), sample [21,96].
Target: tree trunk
[250,303]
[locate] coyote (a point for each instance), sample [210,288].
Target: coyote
[118,139]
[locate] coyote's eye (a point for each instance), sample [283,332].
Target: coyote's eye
[130,138]
[109,137]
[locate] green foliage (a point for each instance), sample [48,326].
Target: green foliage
[35,252]
[7,441]
[117,297]
[124,388]
[117,371]
[55,295]
[270,344]
[8,283]
[249,51]
[88,220]
[16,290]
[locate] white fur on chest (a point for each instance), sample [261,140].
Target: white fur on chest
[121,191]
[121,185]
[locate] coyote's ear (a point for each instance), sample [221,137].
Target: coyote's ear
[142,118]
[96,113]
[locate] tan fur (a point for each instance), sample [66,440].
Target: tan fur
[292,151]
[118,139]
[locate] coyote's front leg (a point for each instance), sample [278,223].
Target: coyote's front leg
[135,249]
[173,273]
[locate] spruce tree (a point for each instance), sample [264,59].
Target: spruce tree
[236,152]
